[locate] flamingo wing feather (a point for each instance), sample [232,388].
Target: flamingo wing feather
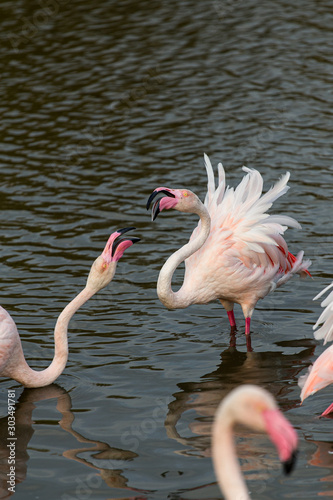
[326,318]
[242,231]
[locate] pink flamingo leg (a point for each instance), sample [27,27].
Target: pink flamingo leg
[231,317]
[327,411]
[247,326]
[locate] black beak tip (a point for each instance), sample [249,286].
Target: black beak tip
[154,216]
[289,465]
[125,230]
[118,239]
[164,192]
[150,199]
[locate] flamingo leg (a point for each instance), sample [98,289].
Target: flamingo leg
[229,307]
[327,411]
[248,309]
[247,325]
[232,320]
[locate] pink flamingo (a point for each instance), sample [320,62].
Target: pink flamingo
[12,361]
[256,408]
[320,374]
[236,253]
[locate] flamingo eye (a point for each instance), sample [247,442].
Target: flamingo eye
[185,193]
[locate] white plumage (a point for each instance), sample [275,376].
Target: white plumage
[237,252]
[326,317]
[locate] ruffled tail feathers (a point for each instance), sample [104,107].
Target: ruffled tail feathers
[299,266]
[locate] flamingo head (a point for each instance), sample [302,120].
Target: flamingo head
[165,198]
[283,436]
[104,267]
[257,408]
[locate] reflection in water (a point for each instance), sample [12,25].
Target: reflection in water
[268,369]
[323,457]
[100,452]
[24,432]
[232,344]
[255,452]
[104,101]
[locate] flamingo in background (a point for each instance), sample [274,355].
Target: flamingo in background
[321,373]
[236,253]
[12,361]
[256,408]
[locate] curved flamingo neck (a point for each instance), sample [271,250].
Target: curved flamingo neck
[32,378]
[178,300]
[225,461]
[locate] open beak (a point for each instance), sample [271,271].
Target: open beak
[116,242]
[156,206]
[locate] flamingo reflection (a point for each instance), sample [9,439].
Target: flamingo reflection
[323,457]
[267,369]
[102,458]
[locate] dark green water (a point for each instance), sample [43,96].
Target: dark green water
[101,102]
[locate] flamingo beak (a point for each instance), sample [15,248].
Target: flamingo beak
[156,207]
[289,465]
[284,436]
[113,243]
[116,242]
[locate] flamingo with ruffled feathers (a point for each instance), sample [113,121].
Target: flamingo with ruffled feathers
[255,408]
[237,253]
[320,375]
[12,360]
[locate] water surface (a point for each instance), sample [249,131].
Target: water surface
[100,104]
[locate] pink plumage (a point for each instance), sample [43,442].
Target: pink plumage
[320,374]
[237,252]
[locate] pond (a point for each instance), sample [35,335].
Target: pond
[101,103]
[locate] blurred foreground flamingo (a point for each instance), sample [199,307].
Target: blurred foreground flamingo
[321,373]
[256,408]
[236,253]
[12,361]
